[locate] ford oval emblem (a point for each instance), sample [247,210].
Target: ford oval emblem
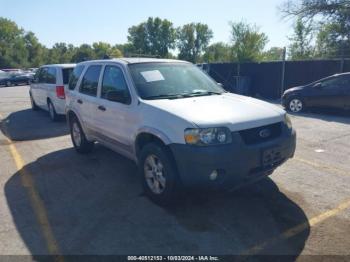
[264,133]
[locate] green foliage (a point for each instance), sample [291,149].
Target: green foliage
[332,17]
[247,41]
[217,52]
[12,45]
[154,37]
[193,39]
[300,47]
[273,54]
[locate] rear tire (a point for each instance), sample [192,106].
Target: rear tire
[81,144]
[52,112]
[159,174]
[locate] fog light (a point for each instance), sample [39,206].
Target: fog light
[214,175]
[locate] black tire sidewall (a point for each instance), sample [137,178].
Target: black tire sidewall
[34,106]
[55,116]
[85,145]
[171,190]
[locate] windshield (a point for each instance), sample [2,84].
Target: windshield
[171,80]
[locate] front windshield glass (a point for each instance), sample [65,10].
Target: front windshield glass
[171,80]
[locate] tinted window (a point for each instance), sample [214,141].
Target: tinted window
[66,73]
[113,80]
[51,75]
[89,83]
[37,75]
[336,82]
[73,80]
[42,75]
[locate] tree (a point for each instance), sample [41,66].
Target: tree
[153,37]
[329,44]
[193,39]
[334,16]
[273,54]
[83,53]
[36,51]
[300,47]
[13,52]
[104,50]
[61,53]
[247,42]
[218,52]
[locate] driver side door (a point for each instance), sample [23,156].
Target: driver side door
[328,93]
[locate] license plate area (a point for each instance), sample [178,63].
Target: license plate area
[271,157]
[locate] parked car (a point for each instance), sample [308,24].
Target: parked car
[47,90]
[332,92]
[179,125]
[11,79]
[12,70]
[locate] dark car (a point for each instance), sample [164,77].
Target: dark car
[10,79]
[331,92]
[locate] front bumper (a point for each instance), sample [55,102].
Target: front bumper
[236,163]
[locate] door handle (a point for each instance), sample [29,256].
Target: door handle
[79,101]
[102,108]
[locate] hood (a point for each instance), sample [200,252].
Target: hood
[233,111]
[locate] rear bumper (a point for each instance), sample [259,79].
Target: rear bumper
[236,163]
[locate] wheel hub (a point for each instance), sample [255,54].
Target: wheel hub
[154,173]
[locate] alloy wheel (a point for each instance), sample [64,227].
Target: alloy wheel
[154,174]
[76,134]
[295,105]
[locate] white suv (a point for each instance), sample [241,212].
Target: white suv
[176,123]
[47,90]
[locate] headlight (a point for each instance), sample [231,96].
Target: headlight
[208,136]
[287,121]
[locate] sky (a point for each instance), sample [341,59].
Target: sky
[87,21]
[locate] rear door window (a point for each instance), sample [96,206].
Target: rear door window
[73,80]
[66,73]
[89,82]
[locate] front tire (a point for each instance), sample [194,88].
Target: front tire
[81,144]
[32,102]
[159,175]
[295,105]
[8,83]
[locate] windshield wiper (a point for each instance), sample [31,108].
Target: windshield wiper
[201,93]
[177,96]
[164,96]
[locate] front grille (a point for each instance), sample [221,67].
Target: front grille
[261,134]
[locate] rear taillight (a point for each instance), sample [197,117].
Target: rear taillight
[60,92]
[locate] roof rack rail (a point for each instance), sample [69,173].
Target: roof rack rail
[142,55]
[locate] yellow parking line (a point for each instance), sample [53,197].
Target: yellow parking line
[297,229]
[320,166]
[36,202]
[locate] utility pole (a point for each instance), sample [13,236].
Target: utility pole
[342,56]
[283,70]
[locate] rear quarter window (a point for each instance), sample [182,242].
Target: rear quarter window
[76,73]
[66,73]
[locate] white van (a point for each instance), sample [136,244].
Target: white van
[176,123]
[47,90]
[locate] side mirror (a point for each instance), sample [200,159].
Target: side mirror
[318,85]
[221,85]
[118,96]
